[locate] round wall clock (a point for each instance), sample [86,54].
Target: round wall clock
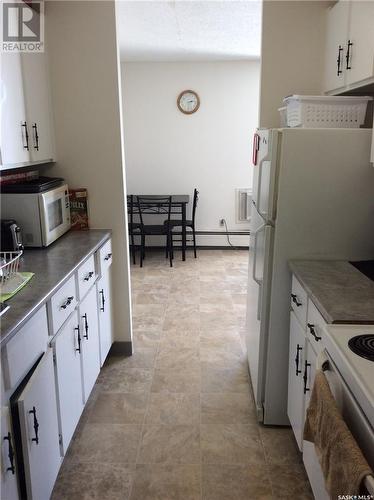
[188,102]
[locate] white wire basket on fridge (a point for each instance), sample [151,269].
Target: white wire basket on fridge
[10,278]
[309,111]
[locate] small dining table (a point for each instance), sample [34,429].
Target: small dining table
[179,204]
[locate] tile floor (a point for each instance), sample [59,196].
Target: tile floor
[176,421]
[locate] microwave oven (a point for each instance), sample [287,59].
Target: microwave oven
[43,217]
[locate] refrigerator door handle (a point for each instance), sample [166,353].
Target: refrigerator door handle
[259,282]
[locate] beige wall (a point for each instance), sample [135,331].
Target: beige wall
[81,42]
[293,47]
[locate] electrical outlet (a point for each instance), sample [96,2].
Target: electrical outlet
[222,222]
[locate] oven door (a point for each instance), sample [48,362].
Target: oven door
[54,213]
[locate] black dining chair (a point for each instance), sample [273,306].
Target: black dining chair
[133,227]
[189,223]
[155,205]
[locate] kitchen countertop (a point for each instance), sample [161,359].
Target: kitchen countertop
[52,267]
[341,293]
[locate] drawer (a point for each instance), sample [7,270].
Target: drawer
[63,303]
[105,256]
[315,327]
[24,349]
[86,276]
[299,301]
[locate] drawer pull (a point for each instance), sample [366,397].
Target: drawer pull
[69,300]
[89,276]
[102,307]
[11,468]
[297,359]
[77,329]
[313,332]
[36,425]
[108,256]
[85,335]
[26,146]
[305,377]
[295,301]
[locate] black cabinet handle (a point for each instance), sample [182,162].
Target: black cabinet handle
[102,307]
[85,335]
[295,301]
[89,276]
[108,256]
[36,136]
[36,425]
[348,55]
[77,329]
[313,332]
[11,468]
[339,61]
[26,146]
[297,359]
[69,300]
[305,377]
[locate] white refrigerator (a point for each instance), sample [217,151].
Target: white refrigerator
[313,198]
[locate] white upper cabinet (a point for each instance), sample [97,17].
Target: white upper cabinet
[15,137]
[38,107]
[361,40]
[336,39]
[26,119]
[349,45]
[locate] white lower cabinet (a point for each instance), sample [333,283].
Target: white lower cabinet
[105,315]
[39,430]
[9,488]
[90,345]
[68,351]
[295,403]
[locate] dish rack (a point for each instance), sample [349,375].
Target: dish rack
[10,278]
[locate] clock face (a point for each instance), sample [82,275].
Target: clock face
[188,102]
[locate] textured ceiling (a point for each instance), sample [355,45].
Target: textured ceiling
[189,30]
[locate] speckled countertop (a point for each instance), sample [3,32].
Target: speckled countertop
[52,267]
[341,293]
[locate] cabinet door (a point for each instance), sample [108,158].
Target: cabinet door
[309,372]
[90,341]
[14,143]
[336,44]
[68,351]
[361,34]
[105,315]
[295,404]
[9,490]
[39,428]
[38,106]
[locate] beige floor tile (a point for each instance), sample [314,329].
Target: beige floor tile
[170,444]
[151,298]
[146,339]
[117,377]
[290,482]
[280,445]
[143,357]
[227,408]
[119,408]
[235,482]
[144,310]
[174,359]
[173,409]
[109,443]
[167,482]
[170,341]
[181,322]
[91,481]
[231,444]
[221,357]
[215,379]
[180,381]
